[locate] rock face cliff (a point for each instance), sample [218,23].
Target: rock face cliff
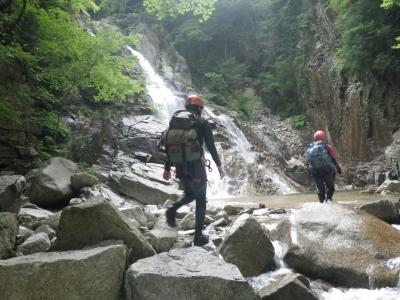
[359,113]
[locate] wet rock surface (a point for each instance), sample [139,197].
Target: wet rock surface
[8,234]
[345,247]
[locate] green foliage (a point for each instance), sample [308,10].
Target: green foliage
[202,9]
[387,4]
[299,122]
[367,36]
[48,63]
[246,103]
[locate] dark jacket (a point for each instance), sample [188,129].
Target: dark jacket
[196,169]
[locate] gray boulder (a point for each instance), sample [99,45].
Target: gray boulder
[8,234]
[185,274]
[135,213]
[36,243]
[33,218]
[97,220]
[47,230]
[52,183]
[342,246]
[24,233]
[392,154]
[142,189]
[247,246]
[162,239]
[385,210]
[392,186]
[11,188]
[287,287]
[81,180]
[86,274]
[188,222]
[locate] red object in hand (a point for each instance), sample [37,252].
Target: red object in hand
[167,175]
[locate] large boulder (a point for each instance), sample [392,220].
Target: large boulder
[38,242]
[94,221]
[385,210]
[342,246]
[34,217]
[287,287]
[81,180]
[247,246]
[52,184]
[392,186]
[392,154]
[143,189]
[86,274]
[8,234]
[185,274]
[162,239]
[11,188]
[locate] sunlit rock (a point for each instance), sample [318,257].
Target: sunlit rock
[39,242]
[342,246]
[86,274]
[392,186]
[247,246]
[385,210]
[287,287]
[52,183]
[97,220]
[162,239]
[185,274]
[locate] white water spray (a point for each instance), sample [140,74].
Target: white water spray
[166,101]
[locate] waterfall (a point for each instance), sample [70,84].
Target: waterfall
[166,101]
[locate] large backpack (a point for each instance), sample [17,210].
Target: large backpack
[181,138]
[318,157]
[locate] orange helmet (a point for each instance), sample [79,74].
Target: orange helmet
[194,100]
[319,136]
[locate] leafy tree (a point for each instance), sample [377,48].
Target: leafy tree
[173,8]
[387,4]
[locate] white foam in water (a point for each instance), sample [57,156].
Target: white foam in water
[167,101]
[360,294]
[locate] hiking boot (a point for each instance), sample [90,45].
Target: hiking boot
[170,215]
[200,240]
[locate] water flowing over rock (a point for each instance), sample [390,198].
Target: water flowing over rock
[97,220]
[392,154]
[86,274]
[185,274]
[287,287]
[8,234]
[392,186]
[342,246]
[11,188]
[52,184]
[385,210]
[247,246]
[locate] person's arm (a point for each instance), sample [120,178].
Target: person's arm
[332,153]
[167,170]
[209,140]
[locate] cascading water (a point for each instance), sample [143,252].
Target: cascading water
[166,100]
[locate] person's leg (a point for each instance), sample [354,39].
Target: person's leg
[330,184]
[320,185]
[201,201]
[187,197]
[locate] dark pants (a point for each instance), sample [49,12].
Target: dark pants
[325,181]
[194,189]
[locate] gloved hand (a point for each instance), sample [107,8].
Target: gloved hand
[339,170]
[166,175]
[221,171]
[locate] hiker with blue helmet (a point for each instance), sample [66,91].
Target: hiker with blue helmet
[184,140]
[322,164]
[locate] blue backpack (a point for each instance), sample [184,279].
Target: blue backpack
[318,157]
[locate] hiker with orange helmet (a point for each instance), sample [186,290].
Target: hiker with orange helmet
[184,148]
[322,165]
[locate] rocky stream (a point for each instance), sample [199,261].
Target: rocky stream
[102,234]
